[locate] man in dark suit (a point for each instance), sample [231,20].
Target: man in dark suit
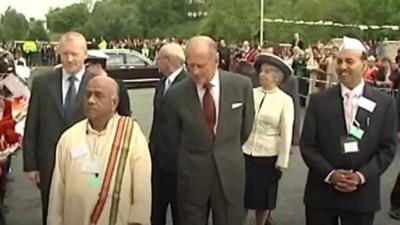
[209,117]
[170,61]
[55,104]
[348,141]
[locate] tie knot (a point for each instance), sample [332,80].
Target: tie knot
[207,86]
[72,79]
[350,95]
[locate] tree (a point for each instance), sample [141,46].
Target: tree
[61,20]
[159,17]
[37,31]
[234,20]
[14,25]
[113,21]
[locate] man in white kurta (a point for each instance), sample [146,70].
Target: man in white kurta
[77,182]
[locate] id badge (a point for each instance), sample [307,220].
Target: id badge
[349,145]
[357,132]
[94,181]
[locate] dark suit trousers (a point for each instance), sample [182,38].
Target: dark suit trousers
[164,194]
[45,195]
[322,217]
[45,205]
[395,195]
[223,213]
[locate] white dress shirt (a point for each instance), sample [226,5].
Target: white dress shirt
[170,79]
[357,91]
[66,83]
[272,128]
[215,92]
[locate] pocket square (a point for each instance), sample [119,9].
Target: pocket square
[236,105]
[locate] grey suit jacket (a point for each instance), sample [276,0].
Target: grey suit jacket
[45,123]
[320,146]
[200,160]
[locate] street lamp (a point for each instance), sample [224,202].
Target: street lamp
[261,22]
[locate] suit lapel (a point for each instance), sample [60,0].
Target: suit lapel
[223,103]
[55,86]
[337,107]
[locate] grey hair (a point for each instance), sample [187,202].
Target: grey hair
[174,51]
[277,74]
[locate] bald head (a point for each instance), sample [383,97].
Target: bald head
[101,98]
[73,52]
[202,59]
[105,82]
[204,43]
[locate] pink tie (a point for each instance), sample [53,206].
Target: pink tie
[349,111]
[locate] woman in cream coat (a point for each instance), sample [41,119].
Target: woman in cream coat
[267,149]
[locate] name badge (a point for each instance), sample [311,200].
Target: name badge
[349,145]
[366,104]
[357,132]
[80,151]
[91,167]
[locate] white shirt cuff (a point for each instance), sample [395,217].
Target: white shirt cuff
[327,179]
[362,177]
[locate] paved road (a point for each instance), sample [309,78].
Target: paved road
[24,201]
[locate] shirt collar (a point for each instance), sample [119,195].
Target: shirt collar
[91,131]
[78,75]
[173,76]
[214,81]
[358,90]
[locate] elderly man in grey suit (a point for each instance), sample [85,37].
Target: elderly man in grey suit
[209,118]
[55,105]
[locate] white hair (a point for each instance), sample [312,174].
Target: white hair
[174,51]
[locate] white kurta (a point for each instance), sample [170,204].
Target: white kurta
[73,193]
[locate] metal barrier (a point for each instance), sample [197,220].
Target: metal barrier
[307,86]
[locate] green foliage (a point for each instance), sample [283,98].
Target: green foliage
[68,18]
[113,21]
[157,17]
[14,25]
[37,31]
[232,19]
[370,12]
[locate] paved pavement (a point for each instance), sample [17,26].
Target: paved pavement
[24,202]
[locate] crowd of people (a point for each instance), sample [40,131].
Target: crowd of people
[219,141]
